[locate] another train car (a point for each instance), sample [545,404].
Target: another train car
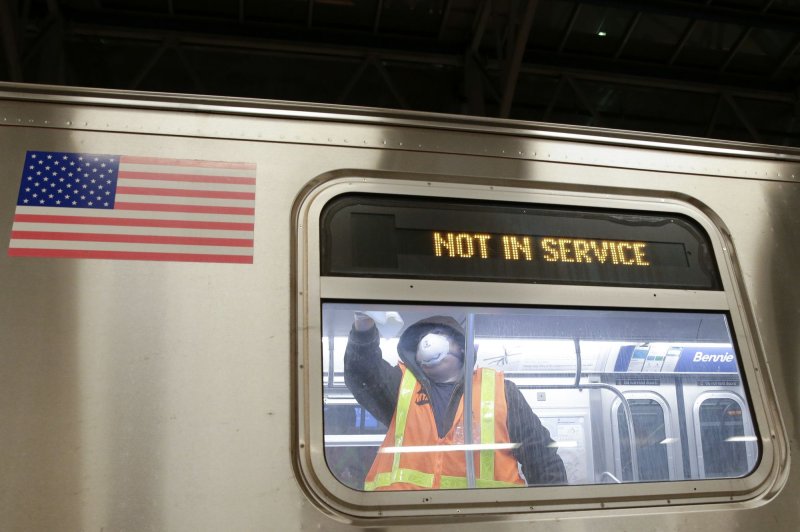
[182,276]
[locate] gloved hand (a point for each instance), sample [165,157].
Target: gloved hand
[362,322]
[388,323]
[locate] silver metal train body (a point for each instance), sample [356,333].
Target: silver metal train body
[163,382]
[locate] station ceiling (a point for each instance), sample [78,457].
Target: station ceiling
[724,69]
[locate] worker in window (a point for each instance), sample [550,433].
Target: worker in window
[421,401]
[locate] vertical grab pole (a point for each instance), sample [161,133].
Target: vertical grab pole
[331,358]
[469,364]
[631,438]
[625,406]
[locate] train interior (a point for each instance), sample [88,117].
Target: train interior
[666,384]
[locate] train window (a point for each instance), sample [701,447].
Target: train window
[724,438]
[537,348]
[547,396]
[652,445]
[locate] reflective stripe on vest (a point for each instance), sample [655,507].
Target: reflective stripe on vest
[426,480]
[487,423]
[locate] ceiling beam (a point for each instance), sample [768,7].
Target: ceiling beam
[354,79]
[197,82]
[554,99]
[791,50]
[45,55]
[631,28]
[685,9]
[479,27]
[735,48]
[682,43]
[376,24]
[659,83]
[553,66]
[448,5]
[576,10]
[742,117]
[475,99]
[387,79]
[584,101]
[514,61]
[158,53]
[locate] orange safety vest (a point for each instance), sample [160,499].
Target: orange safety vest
[398,466]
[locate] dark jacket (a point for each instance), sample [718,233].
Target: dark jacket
[375,383]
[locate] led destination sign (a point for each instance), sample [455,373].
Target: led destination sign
[519,247]
[392,236]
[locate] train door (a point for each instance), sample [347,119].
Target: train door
[718,422]
[725,441]
[655,437]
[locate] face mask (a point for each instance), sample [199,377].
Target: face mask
[432,349]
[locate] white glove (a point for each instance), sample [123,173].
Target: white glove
[389,323]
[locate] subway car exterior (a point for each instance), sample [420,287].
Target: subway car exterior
[181,276]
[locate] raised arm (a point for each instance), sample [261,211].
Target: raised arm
[373,381]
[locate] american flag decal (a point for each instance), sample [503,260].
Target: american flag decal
[78,205]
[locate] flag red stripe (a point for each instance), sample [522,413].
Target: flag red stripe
[128,255]
[185,162]
[132,222]
[208,209]
[152,191]
[134,239]
[191,178]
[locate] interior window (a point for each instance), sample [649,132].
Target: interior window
[651,440]
[459,397]
[724,439]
